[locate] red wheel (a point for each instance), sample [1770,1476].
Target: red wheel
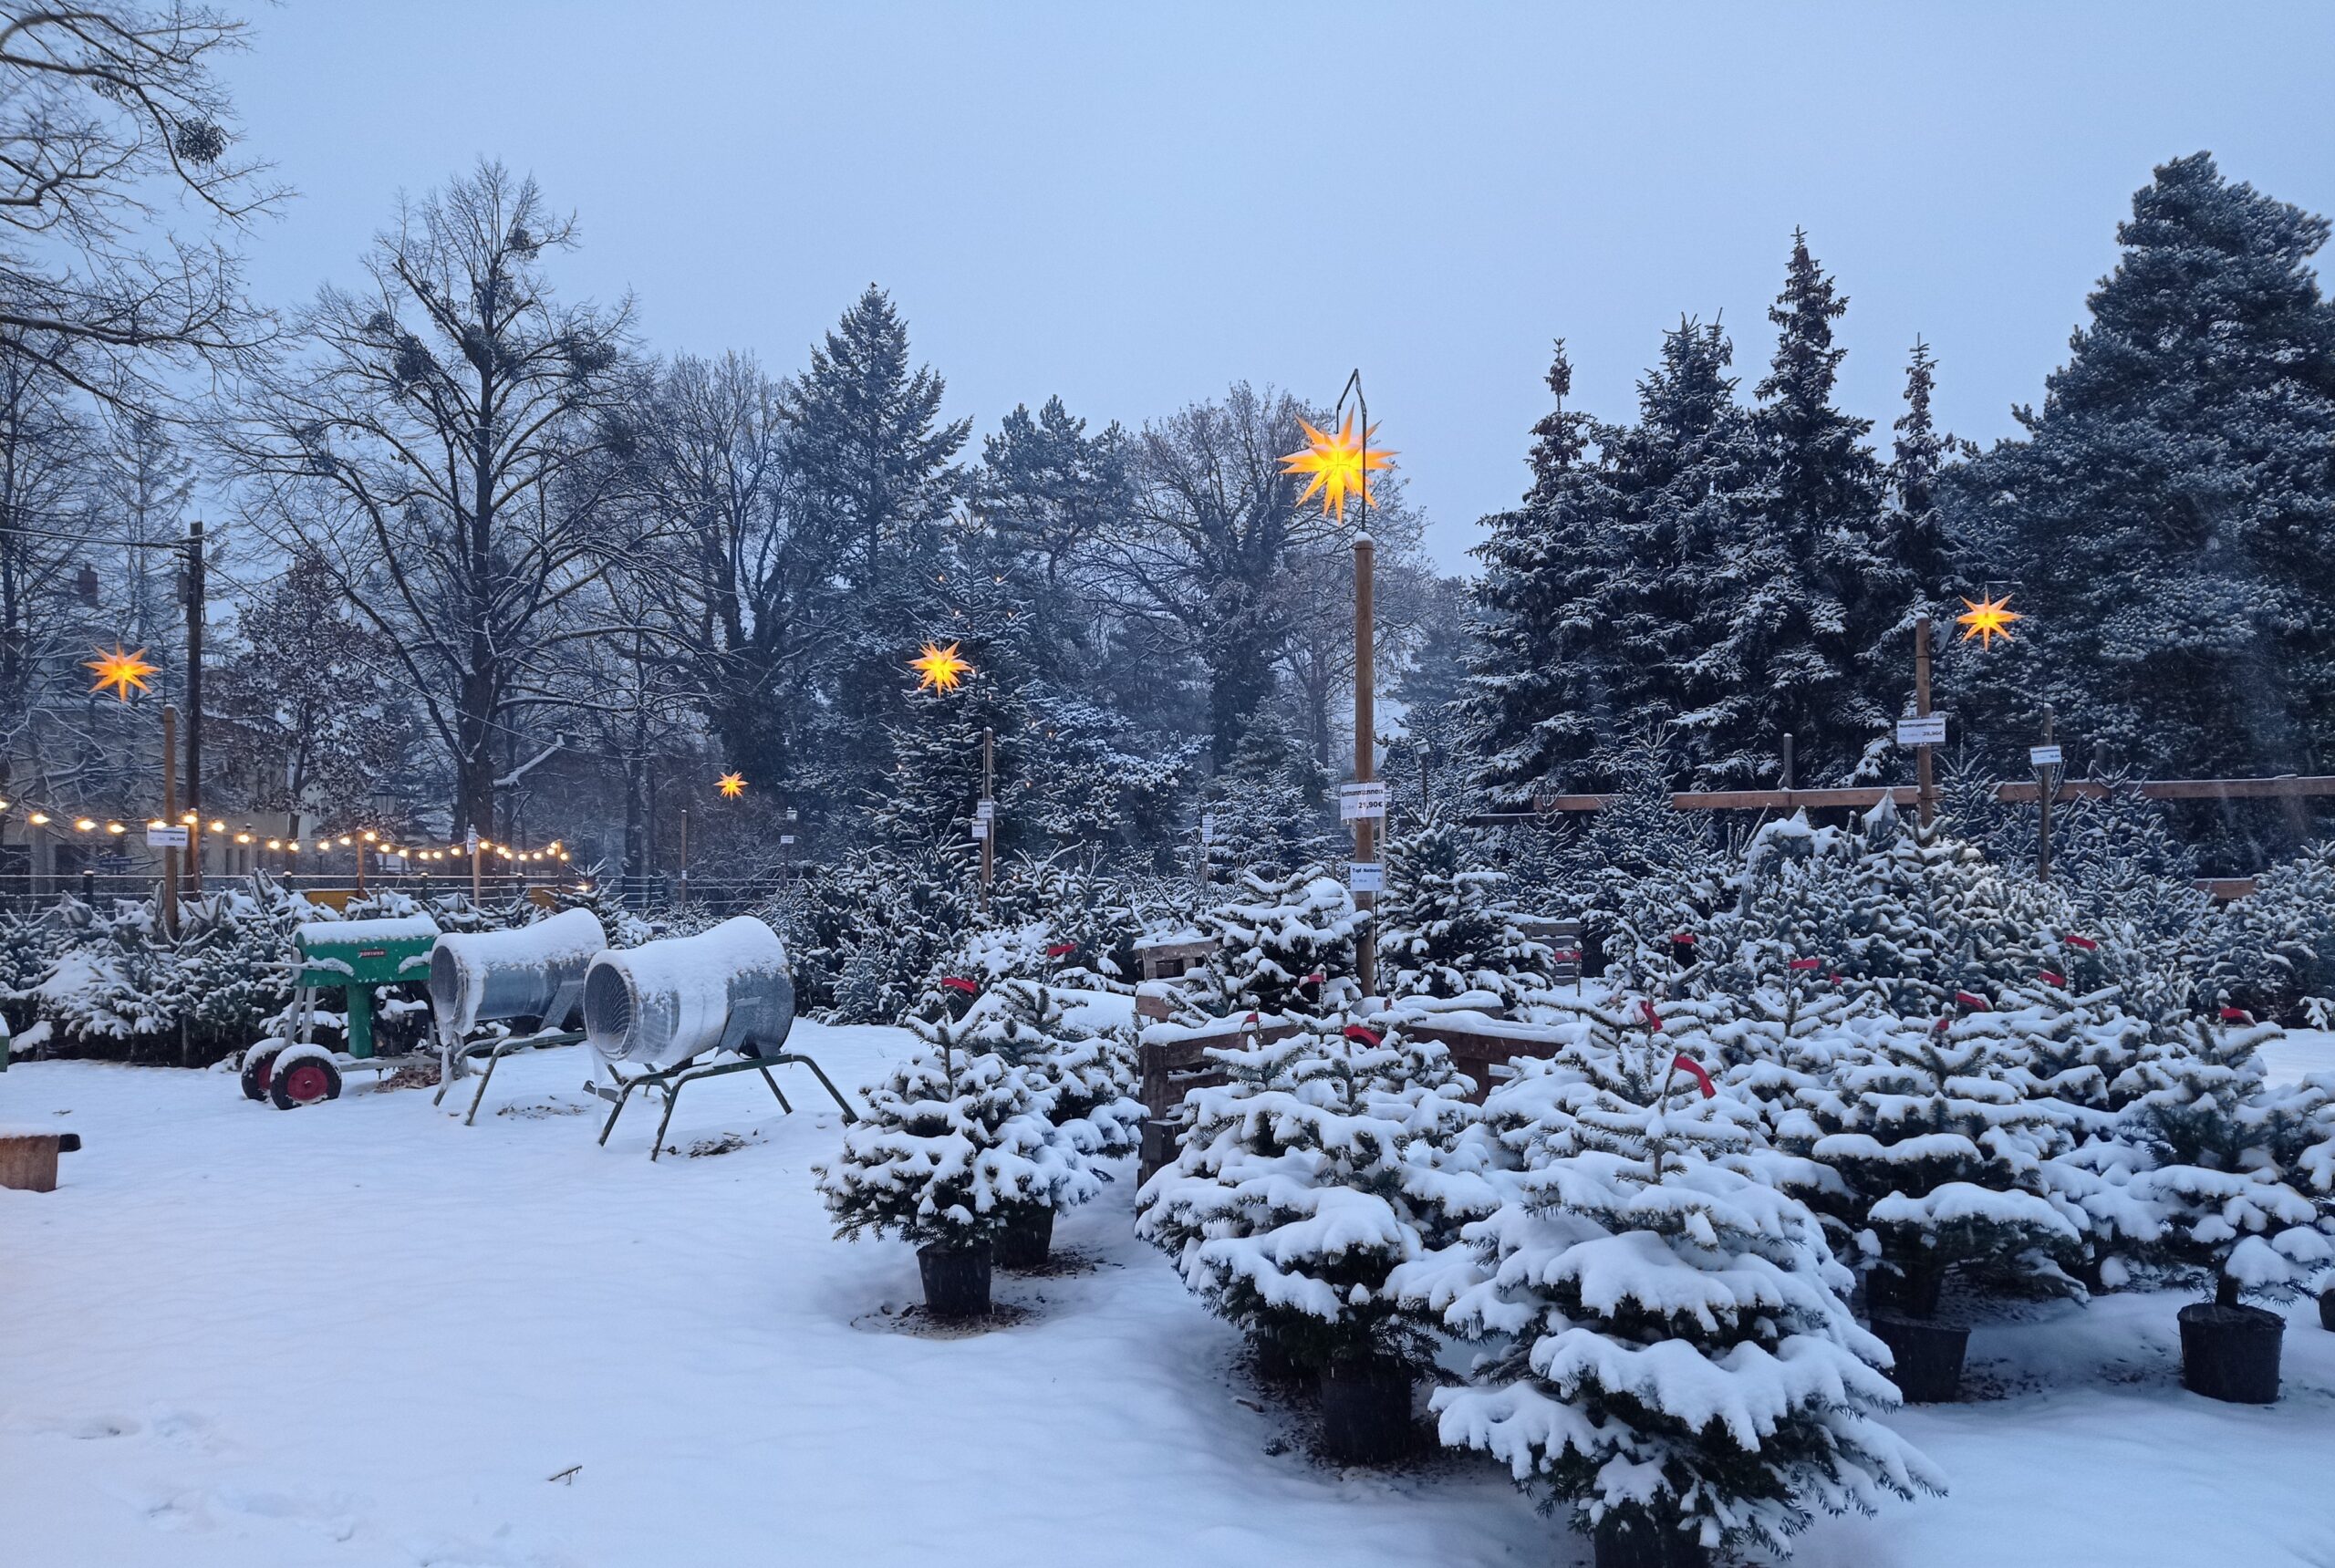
[258,1062]
[305,1082]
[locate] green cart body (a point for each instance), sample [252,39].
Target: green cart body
[359,957]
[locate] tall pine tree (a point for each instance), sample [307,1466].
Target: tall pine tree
[2168,520]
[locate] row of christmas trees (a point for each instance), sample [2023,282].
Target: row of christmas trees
[1879,1068]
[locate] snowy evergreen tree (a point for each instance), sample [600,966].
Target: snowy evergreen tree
[2273,953]
[1661,1322]
[1941,1154]
[2168,513]
[1269,807]
[1296,1195]
[1441,935]
[2231,1165]
[1542,685]
[1286,947]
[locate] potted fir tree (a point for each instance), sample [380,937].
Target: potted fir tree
[1296,1195]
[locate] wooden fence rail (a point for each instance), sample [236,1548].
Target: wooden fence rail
[2287,786]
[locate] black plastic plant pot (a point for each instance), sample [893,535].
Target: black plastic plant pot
[1026,1240]
[2326,1309]
[1366,1411]
[2231,1352]
[956,1279]
[1627,1538]
[1929,1357]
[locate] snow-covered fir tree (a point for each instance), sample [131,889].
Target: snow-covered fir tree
[1286,946]
[2181,449]
[1441,932]
[1301,1184]
[1675,1366]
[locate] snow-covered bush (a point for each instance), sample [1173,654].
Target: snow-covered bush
[1440,933]
[1086,1077]
[1673,1362]
[1301,1184]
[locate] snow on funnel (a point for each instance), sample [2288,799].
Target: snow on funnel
[665,1001]
[478,976]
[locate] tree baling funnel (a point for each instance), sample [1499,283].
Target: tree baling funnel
[530,971]
[665,1001]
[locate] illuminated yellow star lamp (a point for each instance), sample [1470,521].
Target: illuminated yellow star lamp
[119,671]
[731,786]
[939,669]
[1987,619]
[1340,466]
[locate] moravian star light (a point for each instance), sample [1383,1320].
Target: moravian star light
[1340,465]
[731,786]
[939,669]
[119,671]
[1987,619]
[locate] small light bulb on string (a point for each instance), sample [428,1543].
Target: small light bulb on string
[116,827]
[40,819]
[275,844]
[218,827]
[83,824]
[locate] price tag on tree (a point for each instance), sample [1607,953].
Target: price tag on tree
[1927,730]
[1207,828]
[980,828]
[1367,875]
[166,837]
[2044,756]
[784,839]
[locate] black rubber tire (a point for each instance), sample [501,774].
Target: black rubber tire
[298,1085]
[258,1066]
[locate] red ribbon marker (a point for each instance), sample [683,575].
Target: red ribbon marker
[2236,1015]
[2050,978]
[1694,1069]
[1316,978]
[1061,950]
[1943,1025]
[1807,963]
[1967,999]
[1684,939]
[1564,955]
[1367,1037]
[1834,977]
[958,983]
[1652,1019]
[1252,1018]
[2086,943]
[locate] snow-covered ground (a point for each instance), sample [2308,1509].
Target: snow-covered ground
[363,1335]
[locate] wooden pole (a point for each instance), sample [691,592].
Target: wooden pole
[2046,774]
[1365,749]
[683,897]
[1783,780]
[1927,795]
[195,595]
[989,798]
[171,817]
[478,868]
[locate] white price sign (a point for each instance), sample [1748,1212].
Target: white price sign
[986,810]
[1926,731]
[1207,828]
[166,837]
[786,838]
[1359,800]
[981,829]
[1367,875]
[2044,756]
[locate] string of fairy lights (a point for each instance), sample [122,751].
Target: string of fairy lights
[64,823]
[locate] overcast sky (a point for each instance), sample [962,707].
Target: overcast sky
[1134,206]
